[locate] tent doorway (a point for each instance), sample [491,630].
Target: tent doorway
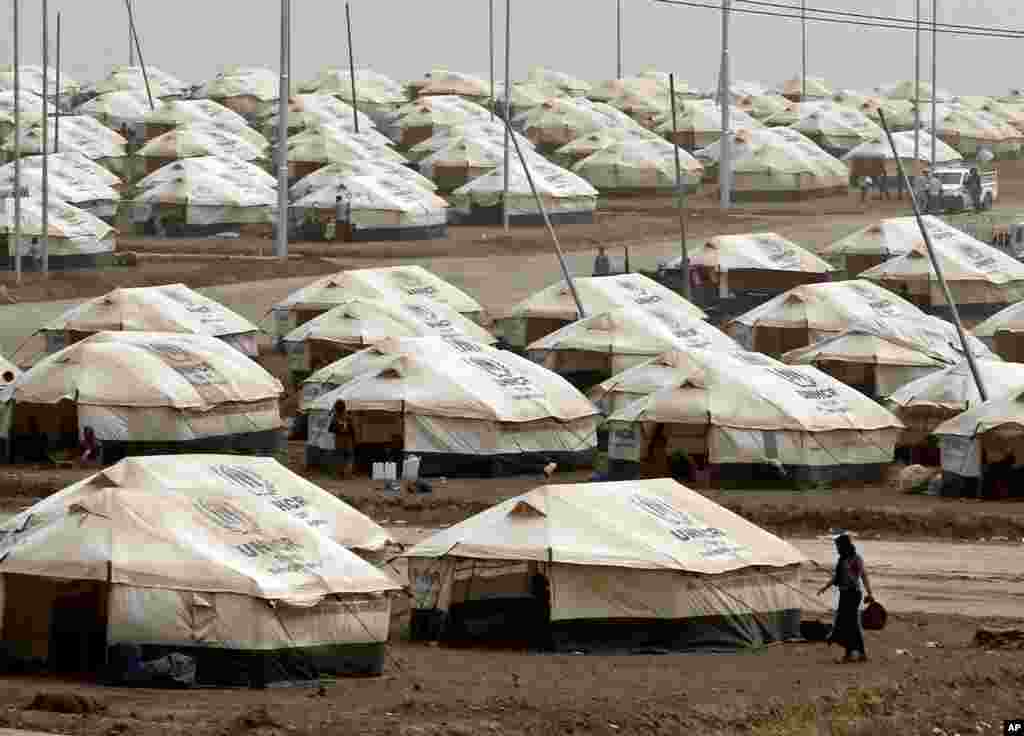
[78,628]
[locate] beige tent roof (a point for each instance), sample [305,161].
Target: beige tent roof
[832,307]
[202,140]
[815,86]
[962,258]
[668,369]
[460,379]
[954,387]
[168,308]
[602,294]
[361,322]
[653,524]
[762,251]
[635,331]
[243,476]
[753,391]
[639,164]
[1010,319]
[373,283]
[892,236]
[147,369]
[862,346]
[190,538]
[1003,412]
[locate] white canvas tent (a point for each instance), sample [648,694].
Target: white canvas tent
[880,241]
[553,307]
[982,279]
[982,449]
[751,417]
[235,170]
[596,566]
[198,201]
[1004,332]
[641,165]
[933,399]
[610,342]
[391,282]
[83,192]
[149,391]
[251,592]
[461,406]
[380,207]
[77,239]
[167,308]
[567,197]
[360,322]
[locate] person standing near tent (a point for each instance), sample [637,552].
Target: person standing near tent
[865,187]
[921,192]
[883,187]
[850,579]
[343,214]
[602,264]
[974,188]
[934,193]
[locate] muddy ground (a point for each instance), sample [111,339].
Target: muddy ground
[924,674]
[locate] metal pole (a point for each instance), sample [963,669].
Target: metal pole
[45,236]
[56,105]
[138,49]
[490,41]
[935,262]
[131,36]
[17,142]
[508,107]
[281,242]
[547,223]
[803,50]
[935,37]
[684,257]
[725,152]
[351,66]
[618,39]
[917,84]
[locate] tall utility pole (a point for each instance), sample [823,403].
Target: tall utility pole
[684,258]
[351,64]
[131,36]
[618,39]
[17,141]
[281,242]
[490,37]
[44,239]
[725,146]
[56,104]
[138,49]
[508,108]
[803,50]
[935,89]
[917,85]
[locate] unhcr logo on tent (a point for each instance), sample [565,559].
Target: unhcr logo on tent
[226,515]
[412,284]
[245,478]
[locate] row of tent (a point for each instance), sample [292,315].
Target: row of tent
[396,359]
[237,571]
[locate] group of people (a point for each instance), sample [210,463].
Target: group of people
[927,190]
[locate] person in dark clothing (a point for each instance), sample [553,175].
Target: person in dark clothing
[540,589]
[974,188]
[36,447]
[851,579]
[602,265]
[883,186]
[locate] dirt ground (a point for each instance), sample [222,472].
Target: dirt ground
[923,674]
[924,677]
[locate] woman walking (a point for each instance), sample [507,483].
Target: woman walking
[850,578]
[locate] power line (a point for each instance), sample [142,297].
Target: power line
[894,19]
[1017,35]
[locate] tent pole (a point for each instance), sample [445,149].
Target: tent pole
[547,222]
[618,39]
[138,49]
[17,141]
[935,261]
[131,36]
[935,37]
[56,104]
[351,67]
[44,240]
[725,149]
[281,241]
[917,84]
[684,258]
[803,50]
[508,129]
[490,41]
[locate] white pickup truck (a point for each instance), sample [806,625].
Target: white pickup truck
[955,194]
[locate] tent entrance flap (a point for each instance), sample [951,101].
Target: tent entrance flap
[54,624]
